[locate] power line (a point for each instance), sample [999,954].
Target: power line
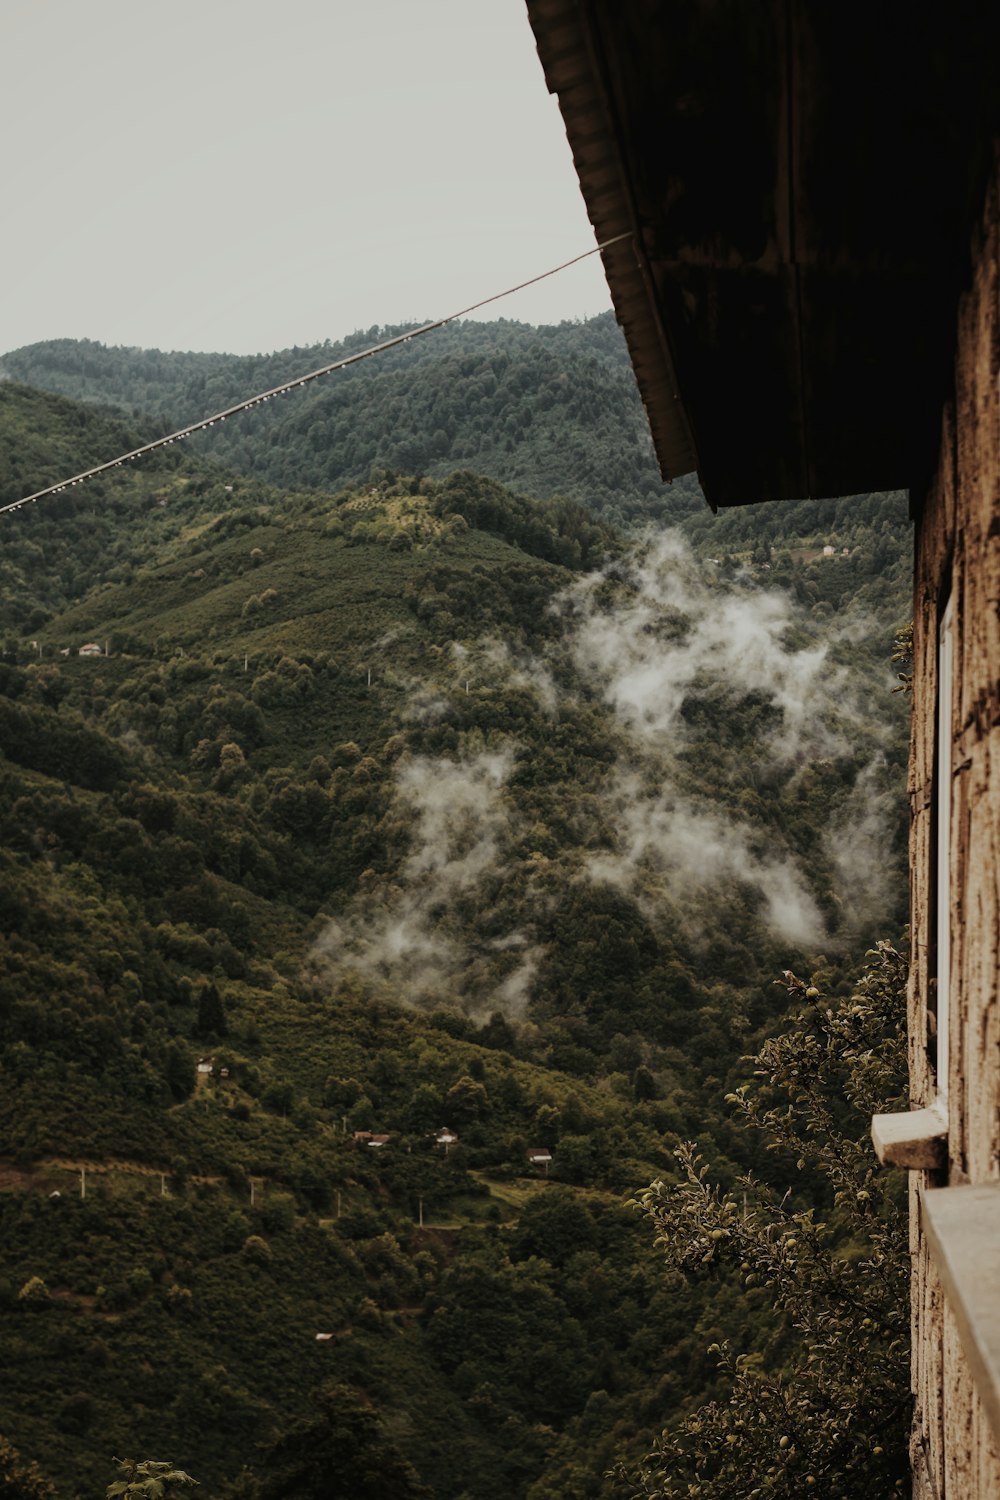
[296,383]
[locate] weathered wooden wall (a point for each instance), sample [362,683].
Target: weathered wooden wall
[958,552]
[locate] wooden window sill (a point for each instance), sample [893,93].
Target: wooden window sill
[916,1138]
[962,1229]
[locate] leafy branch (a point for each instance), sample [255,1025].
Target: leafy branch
[147,1479]
[902,654]
[834,1415]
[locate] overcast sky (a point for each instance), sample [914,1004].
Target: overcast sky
[241,176]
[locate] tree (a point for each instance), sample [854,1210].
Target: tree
[498,1033]
[146,1480]
[425,1108]
[644,1085]
[554,1226]
[339,1453]
[178,1070]
[211,1013]
[467,1100]
[20,1480]
[35,1293]
[834,1414]
[232,766]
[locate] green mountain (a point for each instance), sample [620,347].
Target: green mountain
[549,411]
[408,805]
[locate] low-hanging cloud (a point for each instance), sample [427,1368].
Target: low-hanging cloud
[496,662]
[677,629]
[402,938]
[667,846]
[664,630]
[859,842]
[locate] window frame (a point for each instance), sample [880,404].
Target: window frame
[942,850]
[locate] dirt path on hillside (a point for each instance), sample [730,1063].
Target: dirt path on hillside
[24,1179]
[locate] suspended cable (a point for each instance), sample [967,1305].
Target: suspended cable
[297,382]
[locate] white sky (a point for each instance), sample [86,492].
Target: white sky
[235,175]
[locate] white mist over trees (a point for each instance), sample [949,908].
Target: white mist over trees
[660,638]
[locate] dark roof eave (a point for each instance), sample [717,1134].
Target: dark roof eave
[795,249]
[571,64]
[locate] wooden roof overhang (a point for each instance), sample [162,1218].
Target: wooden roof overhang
[800,181]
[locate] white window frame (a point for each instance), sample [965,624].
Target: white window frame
[918,1139]
[942,884]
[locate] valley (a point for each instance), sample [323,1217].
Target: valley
[397,801]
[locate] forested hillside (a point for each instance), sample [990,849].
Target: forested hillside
[549,411]
[406,804]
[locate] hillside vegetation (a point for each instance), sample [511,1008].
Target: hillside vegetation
[409,804]
[550,411]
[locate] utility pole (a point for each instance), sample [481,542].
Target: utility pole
[338,1203]
[251,1192]
[163,1184]
[83,1182]
[420,1213]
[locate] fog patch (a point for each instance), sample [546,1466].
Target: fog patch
[859,844]
[670,630]
[670,852]
[403,938]
[659,633]
[424,704]
[493,662]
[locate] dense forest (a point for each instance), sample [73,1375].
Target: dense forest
[547,411]
[393,801]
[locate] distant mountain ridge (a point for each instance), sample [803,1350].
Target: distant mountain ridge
[547,411]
